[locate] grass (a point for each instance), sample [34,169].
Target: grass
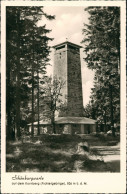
[108,140]
[54,153]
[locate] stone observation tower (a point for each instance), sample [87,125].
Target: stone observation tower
[67,66]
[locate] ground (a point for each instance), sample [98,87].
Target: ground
[60,153]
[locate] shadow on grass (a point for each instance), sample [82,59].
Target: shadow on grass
[52,153]
[49,157]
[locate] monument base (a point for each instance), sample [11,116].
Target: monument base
[75,125]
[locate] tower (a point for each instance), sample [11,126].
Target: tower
[67,66]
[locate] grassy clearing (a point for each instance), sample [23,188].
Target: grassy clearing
[54,153]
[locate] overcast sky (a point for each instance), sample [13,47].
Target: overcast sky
[69,24]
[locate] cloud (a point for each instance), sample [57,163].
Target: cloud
[86,92]
[76,37]
[69,26]
[87,74]
[49,70]
[66,17]
[77,19]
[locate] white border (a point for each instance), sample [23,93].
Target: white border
[96,182]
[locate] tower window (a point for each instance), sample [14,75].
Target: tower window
[60,47]
[72,47]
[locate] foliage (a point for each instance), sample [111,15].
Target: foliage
[102,51]
[28,44]
[51,99]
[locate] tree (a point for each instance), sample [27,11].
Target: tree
[28,44]
[102,49]
[52,98]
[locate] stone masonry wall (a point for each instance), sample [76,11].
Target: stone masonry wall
[60,68]
[75,101]
[67,66]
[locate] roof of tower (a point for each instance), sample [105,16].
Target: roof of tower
[69,43]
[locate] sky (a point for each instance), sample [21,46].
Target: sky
[68,24]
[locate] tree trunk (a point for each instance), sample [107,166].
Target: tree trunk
[32,130]
[111,109]
[105,123]
[54,129]
[33,69]
[53,123]
[38,102]
[9,129]
[18,79]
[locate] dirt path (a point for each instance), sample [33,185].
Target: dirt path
[108,153]
[107,158]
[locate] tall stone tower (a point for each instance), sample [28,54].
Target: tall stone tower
[67,66]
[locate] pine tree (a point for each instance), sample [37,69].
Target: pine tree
[102,49]
[23,35]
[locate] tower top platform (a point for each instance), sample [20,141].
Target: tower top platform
[67,43]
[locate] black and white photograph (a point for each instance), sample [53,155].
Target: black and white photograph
[63,89]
